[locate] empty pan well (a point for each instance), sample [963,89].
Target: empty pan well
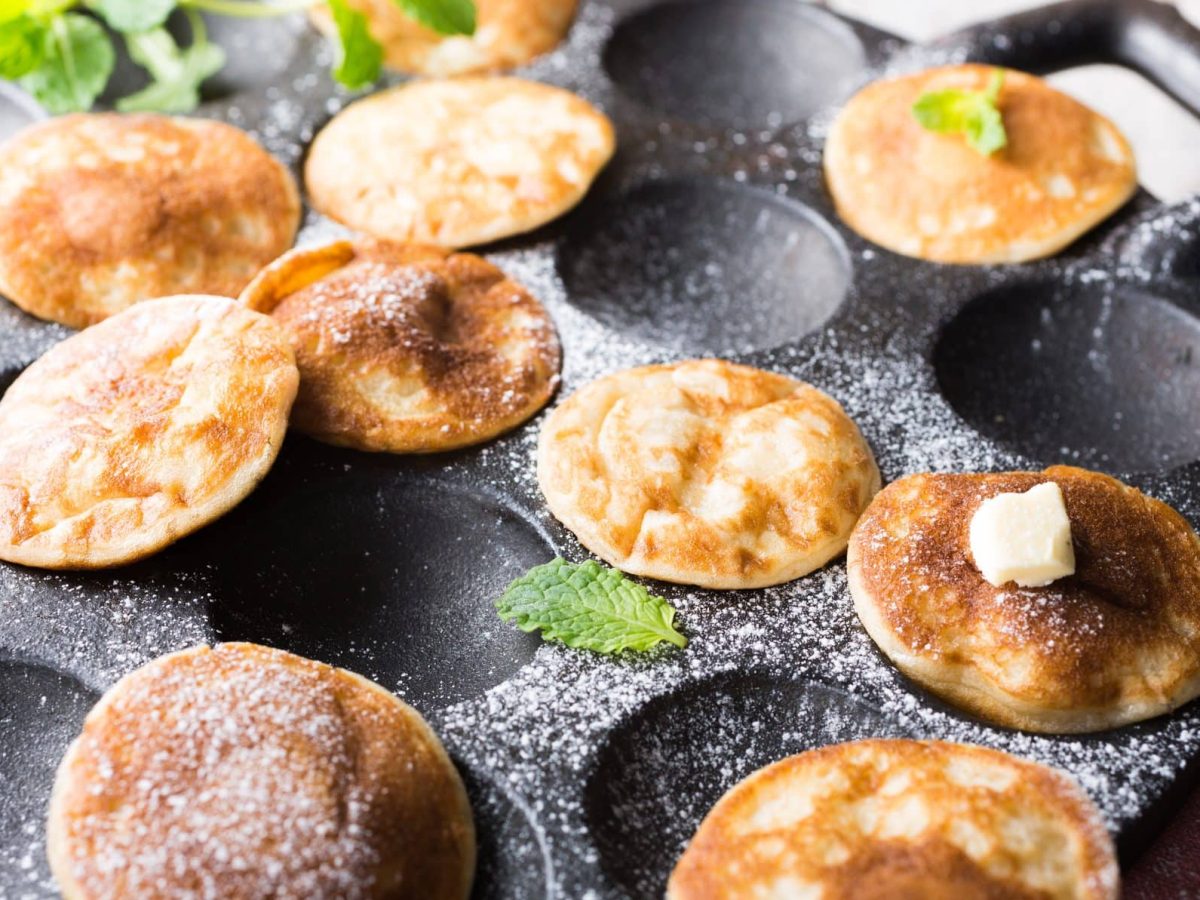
[739,63]
[705,266]
[393,580]
[1105,376]
[663,769]
[512,860]
[41,712]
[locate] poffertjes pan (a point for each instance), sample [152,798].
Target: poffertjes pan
[508,33]
[901,820]
[241,771]
[931,195]
[1117,642]
[408,349]
[458,162]
[101,210]
[707,473]
[139,430]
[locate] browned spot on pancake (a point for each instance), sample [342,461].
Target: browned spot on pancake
[408,348]
[99,211]
[1116,641]
[928,870]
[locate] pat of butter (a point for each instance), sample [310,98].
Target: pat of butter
[1025,538]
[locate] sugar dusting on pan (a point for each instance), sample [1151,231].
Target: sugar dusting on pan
[615,760]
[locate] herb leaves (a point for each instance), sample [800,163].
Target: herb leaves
[61,53]
[970,113]
[589,606]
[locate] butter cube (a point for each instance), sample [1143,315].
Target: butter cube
[1024,538]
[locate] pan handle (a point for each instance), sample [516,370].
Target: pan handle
[1147,36]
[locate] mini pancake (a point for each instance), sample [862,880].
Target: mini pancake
[99,211]
[706,473]
[406,348]
[901,820]
[930,195]
[508,33]
[1117,642]
[240,771]
[458,162]
[139,430]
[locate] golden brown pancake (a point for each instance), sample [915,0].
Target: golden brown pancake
[459,162]
[508,33]
[406,348]
[706,473]
[901,820]
[139,430]
[930,195]
[1117,642]
[239,771]
[99,211]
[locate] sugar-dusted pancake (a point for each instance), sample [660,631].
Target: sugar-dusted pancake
[99,211]
[1116,642]
[406,348]
[139,430]
[901,820]
[508,33]
[930,195]
[707,473]
[239,771]
[458,162]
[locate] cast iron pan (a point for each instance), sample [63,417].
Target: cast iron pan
[711,233]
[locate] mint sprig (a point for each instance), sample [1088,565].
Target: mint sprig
[590,607]
[62,55]
[973,114]
[360,59]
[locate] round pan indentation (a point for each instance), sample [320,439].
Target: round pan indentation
[1104,376]
[705,266]
[41,712]
[394,580]
[663,769]
[738,63]
[511,858]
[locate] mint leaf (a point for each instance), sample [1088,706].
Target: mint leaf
[12,9]
[443,16]
[590,607]
[360,58]
[22,46]
[177,73]
[77,58]
[970,113]
[134,15]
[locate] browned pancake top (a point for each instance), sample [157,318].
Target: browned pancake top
[900,819]
[933,196]
[408,348]
[1121,634]
[99,211]
[240,771]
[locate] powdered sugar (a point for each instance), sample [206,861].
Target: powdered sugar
[766,673]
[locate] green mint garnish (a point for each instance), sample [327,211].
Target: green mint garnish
[360,59]
[64,57]
[177,72]
[589,606]
[970,113]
